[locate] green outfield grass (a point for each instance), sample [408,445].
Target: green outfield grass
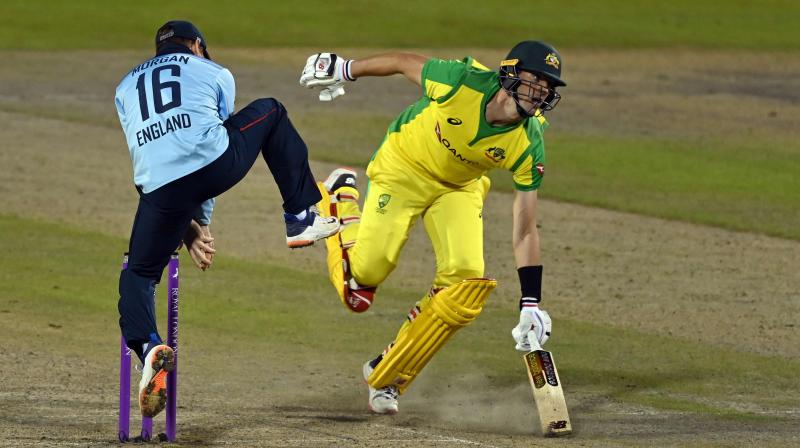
[763,25]
[741,186]
[60,290]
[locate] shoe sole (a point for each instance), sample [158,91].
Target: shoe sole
[153,399]
[390,412]
[305,240]
[335,175]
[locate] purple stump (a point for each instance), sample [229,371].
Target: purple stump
[147,422]
[123,433]
[172,340]
[124,391]
[124,382]
[147,428]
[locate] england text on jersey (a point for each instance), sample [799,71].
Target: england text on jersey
[162,128]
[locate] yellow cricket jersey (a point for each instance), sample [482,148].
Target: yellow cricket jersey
[445,135]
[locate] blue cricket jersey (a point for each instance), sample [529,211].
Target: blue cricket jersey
[171,108]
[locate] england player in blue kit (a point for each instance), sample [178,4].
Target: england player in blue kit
[187,147]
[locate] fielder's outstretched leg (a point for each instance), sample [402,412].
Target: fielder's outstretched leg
[263,127]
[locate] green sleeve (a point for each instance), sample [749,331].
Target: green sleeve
[528,169]
[439,76]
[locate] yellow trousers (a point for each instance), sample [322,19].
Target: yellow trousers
[452,217]
[395,200]
[453,220]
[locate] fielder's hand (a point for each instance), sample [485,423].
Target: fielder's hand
[200,245]
[329,71]
[535,321]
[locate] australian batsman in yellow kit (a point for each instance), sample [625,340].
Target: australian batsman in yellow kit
[432,164]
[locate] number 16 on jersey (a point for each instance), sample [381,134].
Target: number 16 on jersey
[547,391]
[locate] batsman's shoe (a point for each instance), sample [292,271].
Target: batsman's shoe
[159,361]
[340,177]
[304,232]
[383,400]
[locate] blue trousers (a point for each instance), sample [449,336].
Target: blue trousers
[163,215]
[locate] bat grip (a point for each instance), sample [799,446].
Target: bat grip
[533,341]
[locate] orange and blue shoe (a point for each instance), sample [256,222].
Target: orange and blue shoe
[159,361]
[310,229]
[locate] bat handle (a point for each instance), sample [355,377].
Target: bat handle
[533,341]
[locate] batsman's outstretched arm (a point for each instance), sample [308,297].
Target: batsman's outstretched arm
[386,64]
[331,72]
[525,234]
[532,319]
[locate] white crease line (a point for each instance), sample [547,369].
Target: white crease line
[307,441]
[667,413]
[441,438]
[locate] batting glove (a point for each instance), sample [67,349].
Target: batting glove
[331,92]
[533,321]
[329,71]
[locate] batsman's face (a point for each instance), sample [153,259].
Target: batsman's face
[532,91]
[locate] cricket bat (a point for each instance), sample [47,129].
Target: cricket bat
[547,391]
